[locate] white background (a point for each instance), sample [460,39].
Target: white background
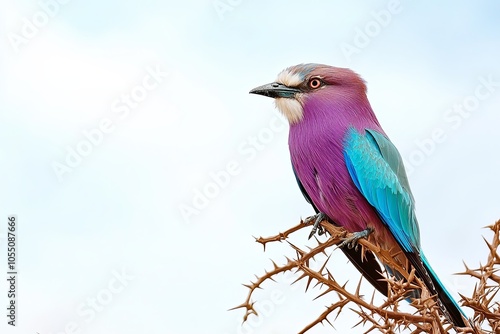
[119,207]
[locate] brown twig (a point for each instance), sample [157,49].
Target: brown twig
[386,316]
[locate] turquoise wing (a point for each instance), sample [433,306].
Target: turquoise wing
[377,170]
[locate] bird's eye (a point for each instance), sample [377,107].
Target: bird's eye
[315,83]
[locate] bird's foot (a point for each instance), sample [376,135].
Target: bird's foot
[352,241]
[317,218]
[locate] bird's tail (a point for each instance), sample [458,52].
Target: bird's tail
[446,302]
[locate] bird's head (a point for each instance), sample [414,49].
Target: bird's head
[301,85]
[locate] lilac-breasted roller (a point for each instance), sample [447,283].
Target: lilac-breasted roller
[350,171]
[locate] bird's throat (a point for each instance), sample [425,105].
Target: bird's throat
[291,108]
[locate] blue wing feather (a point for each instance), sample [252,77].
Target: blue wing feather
[377,170]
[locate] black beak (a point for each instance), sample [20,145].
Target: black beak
[275,90]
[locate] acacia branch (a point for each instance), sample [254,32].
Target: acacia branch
[386,316]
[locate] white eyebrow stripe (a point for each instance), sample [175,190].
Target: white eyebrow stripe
[289,79]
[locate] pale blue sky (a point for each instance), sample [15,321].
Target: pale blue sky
[119,208]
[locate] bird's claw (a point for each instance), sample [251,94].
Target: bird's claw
[317,218]
[352,241]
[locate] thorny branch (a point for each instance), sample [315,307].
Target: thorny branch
[486,308]
[385,316]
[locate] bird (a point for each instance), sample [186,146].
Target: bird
[350,172]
